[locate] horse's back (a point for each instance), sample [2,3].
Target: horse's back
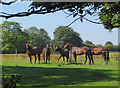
[99,50]
[79,50]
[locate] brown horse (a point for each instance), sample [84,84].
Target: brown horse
[46,53]
[79,51]
[100,51]
[63,53]
[33,51]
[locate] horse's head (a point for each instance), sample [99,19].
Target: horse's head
[68,45]
[48,45]
[27,45]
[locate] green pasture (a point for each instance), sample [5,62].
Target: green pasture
[61,74]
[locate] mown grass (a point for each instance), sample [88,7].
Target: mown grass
[61,74]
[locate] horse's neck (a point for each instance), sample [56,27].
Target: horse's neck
[29,48]
[60,50]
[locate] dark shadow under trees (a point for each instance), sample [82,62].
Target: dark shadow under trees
[45,77]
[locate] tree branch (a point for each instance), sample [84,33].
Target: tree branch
[73,21]
[92,21]
[4,3]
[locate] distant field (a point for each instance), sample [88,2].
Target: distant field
[62,74]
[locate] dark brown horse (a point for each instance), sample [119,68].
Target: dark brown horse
[33,51]
[79,51]
[100,51]
[63,53]
[46,53]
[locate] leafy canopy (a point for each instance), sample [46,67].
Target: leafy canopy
[65,34]
[107,12]
[12,37]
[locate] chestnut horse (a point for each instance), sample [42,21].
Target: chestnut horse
[100,51]
[33,51]
[63,53]
[46,53]
[79,51]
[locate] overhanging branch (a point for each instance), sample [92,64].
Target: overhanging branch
[92,21]
[4,3]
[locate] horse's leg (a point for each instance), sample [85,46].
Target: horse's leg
[49,59]
[35,59]
[43,56]
[107,56]
[39,58]
[70,56]
[46,57]
[104,55]
[59,58]
[85,58]
[30,59]
[89,59]
[92,59]
[75,58]
[63,59]
[67,58]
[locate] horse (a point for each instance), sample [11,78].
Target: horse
[100,51]
[33,51]
[63,53]
[46,53]
[79,51]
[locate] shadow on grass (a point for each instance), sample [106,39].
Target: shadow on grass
[45,77]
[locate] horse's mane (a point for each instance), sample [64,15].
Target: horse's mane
[29,47]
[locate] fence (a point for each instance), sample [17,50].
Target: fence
[112,54]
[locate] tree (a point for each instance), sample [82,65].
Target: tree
[89,43]
[99,45]
[108,43]
[37,37]
[65,34]
[13,38]
[108,12]
[110,15]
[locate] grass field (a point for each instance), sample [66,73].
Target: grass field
[61,74]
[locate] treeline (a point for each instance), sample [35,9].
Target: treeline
[14,38]
[108,45]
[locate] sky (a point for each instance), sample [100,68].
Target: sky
[96,33]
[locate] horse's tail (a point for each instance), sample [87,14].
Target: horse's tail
[107,53]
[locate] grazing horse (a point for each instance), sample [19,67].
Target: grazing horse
[46,53]
[63,53]
[98,51]
[33,51]
[79,51]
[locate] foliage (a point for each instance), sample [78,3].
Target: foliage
[108,43]
[11,82]
[110,15]
[64,34]
[99,45]
[37,37]
[12,37]
[108,12]
[89,43]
